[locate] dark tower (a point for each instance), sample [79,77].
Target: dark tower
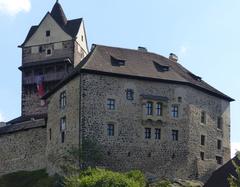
[49,52]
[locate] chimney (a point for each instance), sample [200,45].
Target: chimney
[143,49]
[173,57]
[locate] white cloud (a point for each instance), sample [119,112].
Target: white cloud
[235,146]
[13,7]
[1,117]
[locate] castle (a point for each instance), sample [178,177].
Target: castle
[146,111]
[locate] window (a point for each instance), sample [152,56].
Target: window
[149,108]
[202,140]
[63,136]
[175,111]
[50,134]
[202,155]
[40,49]
[110,130]
[219,160]
[129,94]
[179,99]
[157,134]
[148,133]
[82,38]
[48,33]
[117,62]
[219,123]
[175,135]
[49,52]
[63,99]
[219,144]
[62,124]
[159,109]
[111,104]
[203,117]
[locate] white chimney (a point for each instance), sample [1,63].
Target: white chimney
[173,57]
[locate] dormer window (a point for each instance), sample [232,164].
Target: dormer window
[48,33]
[160,68]
[117,62]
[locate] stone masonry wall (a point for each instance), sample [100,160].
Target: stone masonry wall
[55,148]
[23,150]
[129,149]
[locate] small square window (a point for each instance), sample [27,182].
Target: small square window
[219,144]
[49,52]
[147,133]
[202,140]
[175,111]
[48,33]
[219,160]
[202,156]
[175,135]
[111,104]
[110,129]
[129,94]
[203,117]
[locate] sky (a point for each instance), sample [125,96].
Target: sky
[204,34]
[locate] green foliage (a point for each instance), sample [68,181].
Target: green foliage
[235,181]
[105,178]
[38,178]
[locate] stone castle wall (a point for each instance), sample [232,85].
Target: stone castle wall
[23,150]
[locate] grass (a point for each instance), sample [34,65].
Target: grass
[38,178]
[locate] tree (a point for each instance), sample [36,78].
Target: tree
[235,181]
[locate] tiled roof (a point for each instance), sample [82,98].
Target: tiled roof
[71,27]
[139,65]
[219,177]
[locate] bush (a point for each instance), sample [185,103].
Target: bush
[105,178]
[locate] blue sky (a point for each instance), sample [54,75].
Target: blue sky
[204,34]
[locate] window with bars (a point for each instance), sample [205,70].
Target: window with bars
[147,133]
[157,134]
[111,104]
[110,129]
[175,135]
[159,109]
[129,94]
[63,99]
[149,108]
[175,111]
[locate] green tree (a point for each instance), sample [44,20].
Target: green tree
[235,181]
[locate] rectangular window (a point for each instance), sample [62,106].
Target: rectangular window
[175,111]
[129,94]
[63,136]
[62,124]
[159,109]
[111,104]
[202,156]
[147,133]
[110,130]
[219,123]
[219,160]
[48,33]
[202,140]
[219,144]
[175,135]
[157,134]
[203,117]
[63,99]
[149,108]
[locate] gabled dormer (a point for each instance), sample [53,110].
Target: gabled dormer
[56,37]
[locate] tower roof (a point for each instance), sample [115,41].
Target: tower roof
[58,14]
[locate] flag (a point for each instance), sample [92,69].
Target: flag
[40,86]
